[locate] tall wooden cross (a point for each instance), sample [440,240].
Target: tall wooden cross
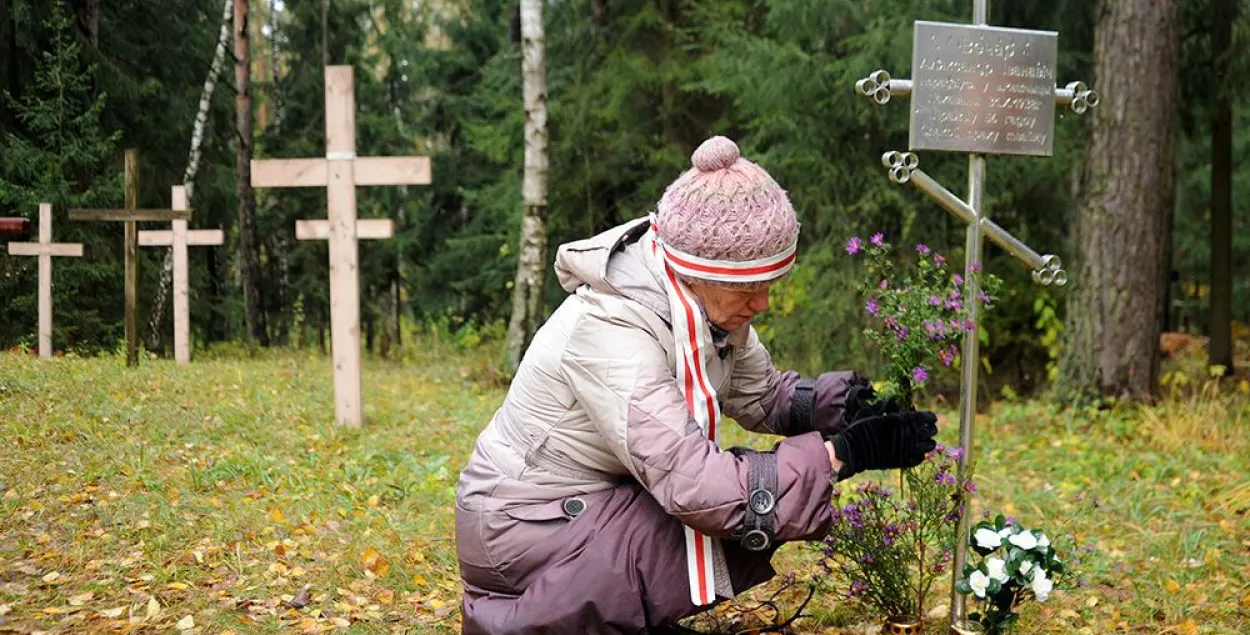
[179,238]
[130,215]
[45,249]
[340,172]
[979,90]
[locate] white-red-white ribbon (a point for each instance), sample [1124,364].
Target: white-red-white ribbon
[693,338]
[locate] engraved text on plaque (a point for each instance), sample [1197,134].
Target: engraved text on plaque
[981,89]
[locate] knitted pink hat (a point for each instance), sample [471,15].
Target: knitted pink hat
[726,208]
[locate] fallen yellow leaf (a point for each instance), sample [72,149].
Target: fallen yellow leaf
[185,623]
[1188,627]
[154,607]
[1173,587]
[111,613]
[81,599]
[177,586]
[373,500]
[373,562]
[275,515]
[43,539]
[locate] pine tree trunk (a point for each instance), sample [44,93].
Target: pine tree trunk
[527,290]
[1113,319]
[89,20]
[157,314]
[249,257]
[1224,12]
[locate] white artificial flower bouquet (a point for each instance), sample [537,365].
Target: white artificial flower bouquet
[1014,565]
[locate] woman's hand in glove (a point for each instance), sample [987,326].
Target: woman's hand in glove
[885,441]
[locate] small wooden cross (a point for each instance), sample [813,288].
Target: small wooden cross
[179,238]
[130,215]
[14,227]
[340,172]
[45,249]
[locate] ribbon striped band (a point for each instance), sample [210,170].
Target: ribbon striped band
[758,270]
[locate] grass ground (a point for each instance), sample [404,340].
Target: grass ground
[219,498]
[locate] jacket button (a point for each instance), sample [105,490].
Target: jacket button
[755,540]
[574,507]
[762,501]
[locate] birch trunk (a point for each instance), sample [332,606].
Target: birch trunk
[1113,322]
[527,290]
[188,177]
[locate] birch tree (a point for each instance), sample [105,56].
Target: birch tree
[193,166]
[527,289]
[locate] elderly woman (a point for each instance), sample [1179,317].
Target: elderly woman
[598,500]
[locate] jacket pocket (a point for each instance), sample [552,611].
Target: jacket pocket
[538,512]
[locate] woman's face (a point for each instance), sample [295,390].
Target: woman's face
[728,308]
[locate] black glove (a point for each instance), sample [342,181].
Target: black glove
[862,402]
[883,442]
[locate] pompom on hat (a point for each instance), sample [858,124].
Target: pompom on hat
[727,209]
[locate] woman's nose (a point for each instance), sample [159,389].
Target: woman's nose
[759,301]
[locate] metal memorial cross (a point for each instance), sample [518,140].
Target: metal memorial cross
[179,238]
[979,90]
[130,215]
[340,172]
[45,249]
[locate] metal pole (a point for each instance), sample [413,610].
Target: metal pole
[971,358]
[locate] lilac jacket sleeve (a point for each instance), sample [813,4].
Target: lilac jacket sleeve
[634,402]
[763,399]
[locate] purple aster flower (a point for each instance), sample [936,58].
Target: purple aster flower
[858,588]
[878,239]
[985,298]
[884,284]
[945,357]
[955,304]
[935,300]
[903,332]
[891,323]
[970,326]
[872,307]
[945,478]
[958,280]
[970,487]
[919,374]
[974,267]
[955,453]
[854,245]
[939,260]
[923,249]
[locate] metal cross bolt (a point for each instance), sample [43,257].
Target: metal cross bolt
[901,165]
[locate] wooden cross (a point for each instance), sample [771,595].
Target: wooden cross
[340,172]
[179,238]
[131,215]
[14,227]
[45,249]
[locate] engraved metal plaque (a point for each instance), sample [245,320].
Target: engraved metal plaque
[984,90]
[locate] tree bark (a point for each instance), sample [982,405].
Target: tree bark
[527,289]
[1220,350]
[1113,321]
[157,314]
[249,257]
[89,21]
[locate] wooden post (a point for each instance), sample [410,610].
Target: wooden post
[130,216]
[340,172]
[179,238]
[14,227]
[45,249]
